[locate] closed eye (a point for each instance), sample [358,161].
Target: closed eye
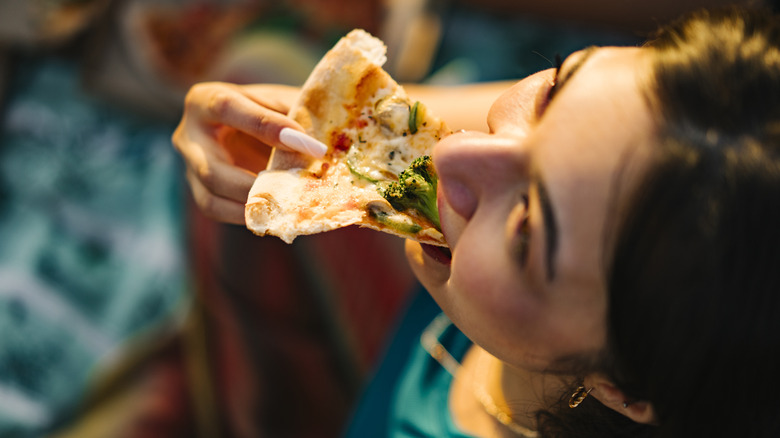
[564,75]
[556,83]
[521,233]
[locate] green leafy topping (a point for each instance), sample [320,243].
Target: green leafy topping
[414,121]
[385,218]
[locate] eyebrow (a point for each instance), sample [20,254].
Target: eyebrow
[549,221]
[550,226]
[569,72]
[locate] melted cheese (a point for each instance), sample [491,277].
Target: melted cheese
[382,146]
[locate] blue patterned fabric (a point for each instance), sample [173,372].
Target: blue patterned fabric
[91,246]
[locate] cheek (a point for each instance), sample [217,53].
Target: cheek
[489,296]
[485,285]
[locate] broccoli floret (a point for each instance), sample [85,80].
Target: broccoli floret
[415,190]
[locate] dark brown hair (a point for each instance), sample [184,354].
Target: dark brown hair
[694,285]
[694,281]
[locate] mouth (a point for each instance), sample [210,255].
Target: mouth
[439,254]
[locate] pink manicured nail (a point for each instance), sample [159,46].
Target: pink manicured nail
[298,141]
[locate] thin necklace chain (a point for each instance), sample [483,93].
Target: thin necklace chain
[430,341]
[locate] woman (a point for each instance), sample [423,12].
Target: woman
[612,237]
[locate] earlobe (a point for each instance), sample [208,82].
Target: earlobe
[612,397]
[640,412]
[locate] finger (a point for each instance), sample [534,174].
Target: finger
[244,150]
[227,105]
[220,178]
[215,207]
[225,180]
[207,162]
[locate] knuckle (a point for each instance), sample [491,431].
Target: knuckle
[191,99]
[207,177]
[176,138]
[265,127]
[207,97]
[218,104]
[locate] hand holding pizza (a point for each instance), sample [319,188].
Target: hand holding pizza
[225,137]
[364,158]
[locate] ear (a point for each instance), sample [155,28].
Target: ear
[611,396]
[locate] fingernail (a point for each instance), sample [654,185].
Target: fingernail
[298,141]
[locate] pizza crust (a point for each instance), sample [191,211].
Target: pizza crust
[332,82]
[298,194]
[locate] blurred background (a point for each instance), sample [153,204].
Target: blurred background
[123,312]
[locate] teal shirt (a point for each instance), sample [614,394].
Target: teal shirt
[408,396]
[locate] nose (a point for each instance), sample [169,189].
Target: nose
[475,166]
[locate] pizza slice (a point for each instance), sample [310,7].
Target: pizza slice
[377,171]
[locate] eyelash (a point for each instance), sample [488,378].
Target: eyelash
[523,229]
[523,235]
[554,88]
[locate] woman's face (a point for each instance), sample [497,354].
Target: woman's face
[526,209]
